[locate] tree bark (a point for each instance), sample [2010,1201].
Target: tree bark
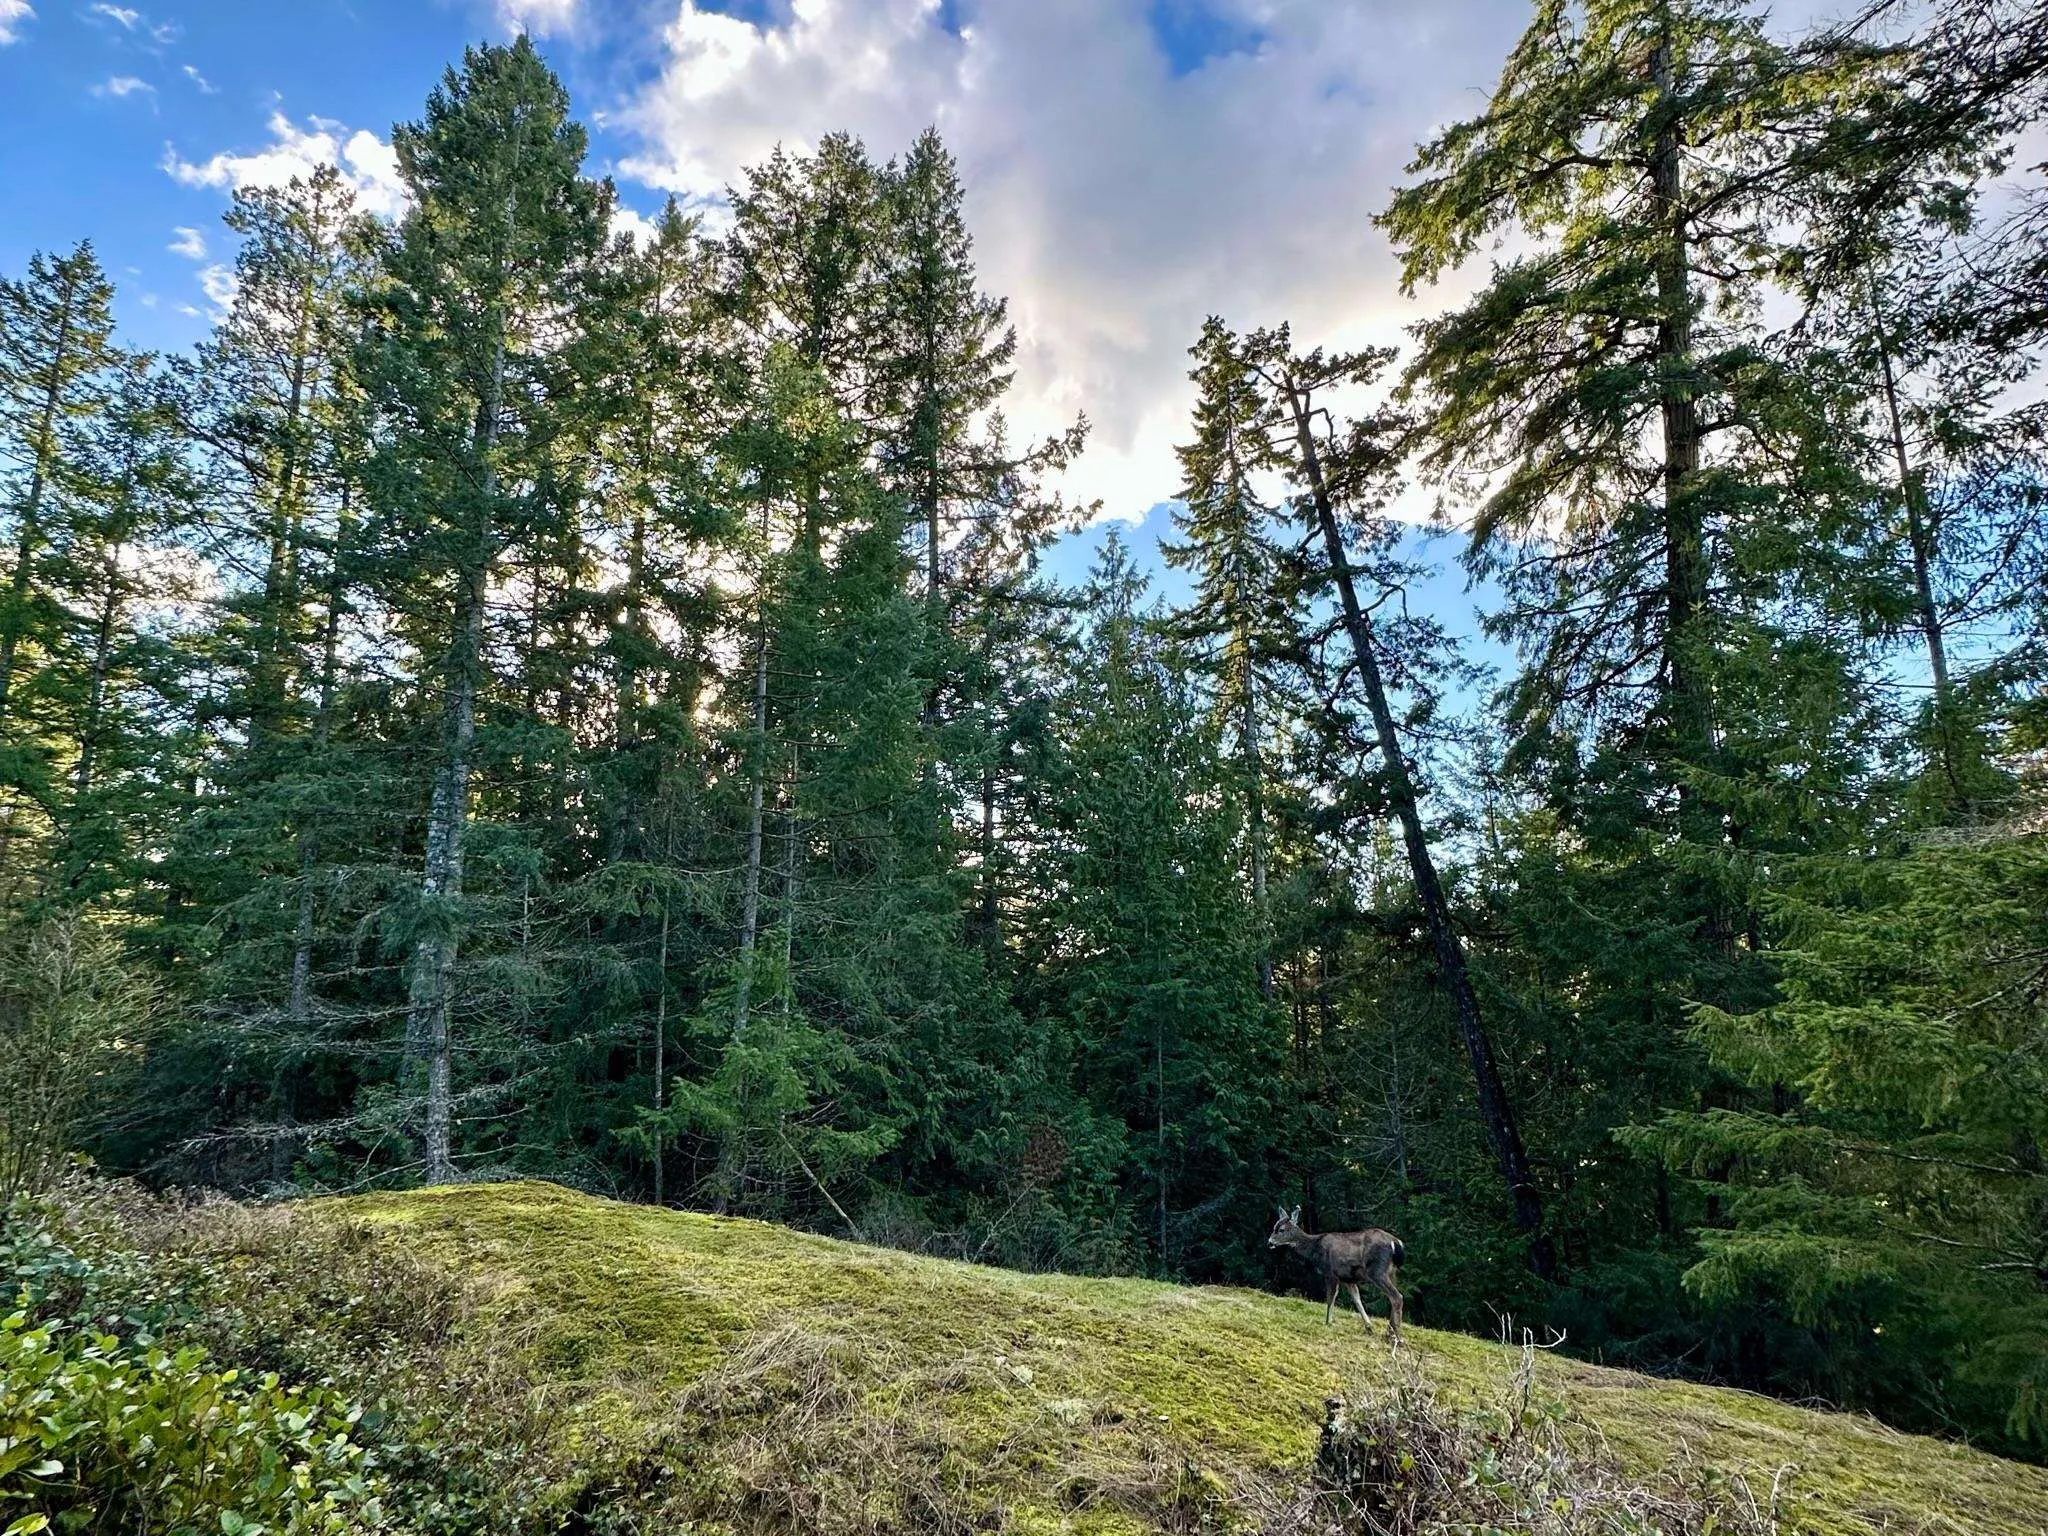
[660,1054]
[1921,535]
[447,822]
[750,902]
[280,575]
[300,998]
[427,1025]
[1496,1112]
[1685,557]
[96,693]
[103,639]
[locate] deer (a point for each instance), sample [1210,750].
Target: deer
[1345,1259]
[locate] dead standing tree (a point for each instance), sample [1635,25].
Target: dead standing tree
[1349,470]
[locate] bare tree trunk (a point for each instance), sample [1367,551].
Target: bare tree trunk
[1685,555]
[660,1054]
[1159,1124]
[96,694]
[427,1026]
[750,902]
[792,872]
[447,821]
[1496,1112]
[280,575]
[1255,792]
[1921,534]
[991,896]
[300,999]
[103,637]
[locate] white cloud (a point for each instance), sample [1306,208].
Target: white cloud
[124,85]
[1116,199]
[634,225]
[365,160]
[542,18]
[12,14]
[206,86]
[128,19]
[188,243]
[218,283]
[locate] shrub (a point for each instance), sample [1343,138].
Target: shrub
[74,1016]
[1400,1462]
[101,1436]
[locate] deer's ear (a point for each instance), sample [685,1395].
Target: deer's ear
[1282,1210]
[1296,1217]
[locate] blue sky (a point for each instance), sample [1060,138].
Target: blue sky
[1132,165]
[82,150]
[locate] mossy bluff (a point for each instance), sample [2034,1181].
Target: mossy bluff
[1054,1389]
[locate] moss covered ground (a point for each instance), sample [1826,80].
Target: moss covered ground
[1077,1405]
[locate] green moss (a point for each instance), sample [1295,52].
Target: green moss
[1079,1403]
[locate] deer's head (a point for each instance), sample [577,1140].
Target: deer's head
[1287,1230]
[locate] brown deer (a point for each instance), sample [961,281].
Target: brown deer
[1345,1258]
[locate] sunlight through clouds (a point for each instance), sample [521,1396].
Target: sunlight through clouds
[1122,182]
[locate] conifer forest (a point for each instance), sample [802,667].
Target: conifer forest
[527,699]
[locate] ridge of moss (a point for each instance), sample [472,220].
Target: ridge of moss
[1057,1391]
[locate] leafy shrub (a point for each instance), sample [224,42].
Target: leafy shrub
[97,1435]
[460,1441]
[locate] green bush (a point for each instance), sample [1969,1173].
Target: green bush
[97,1435]
[74,1017]
[400,1417]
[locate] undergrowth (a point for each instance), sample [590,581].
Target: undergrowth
[1399,1461]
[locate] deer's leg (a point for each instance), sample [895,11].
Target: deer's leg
[1359,1302]
[1384,1279]
[1329,1301]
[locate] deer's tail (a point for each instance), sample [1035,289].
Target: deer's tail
[1400,1252]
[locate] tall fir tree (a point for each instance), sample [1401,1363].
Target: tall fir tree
[467,380]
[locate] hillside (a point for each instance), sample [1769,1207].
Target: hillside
[828,1374]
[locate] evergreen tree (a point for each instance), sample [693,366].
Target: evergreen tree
[466,377]
[945,361]
[56,350]
[1606,390]
[1142,948]
[1892,1195]
[1242,605]
[116,684]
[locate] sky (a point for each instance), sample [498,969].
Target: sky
[1131,165]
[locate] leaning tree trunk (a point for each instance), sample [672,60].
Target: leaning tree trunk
[1685,552]
[1496,1112]
[1921,537]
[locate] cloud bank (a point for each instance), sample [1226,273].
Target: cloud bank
[365,161]
[1131,165]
